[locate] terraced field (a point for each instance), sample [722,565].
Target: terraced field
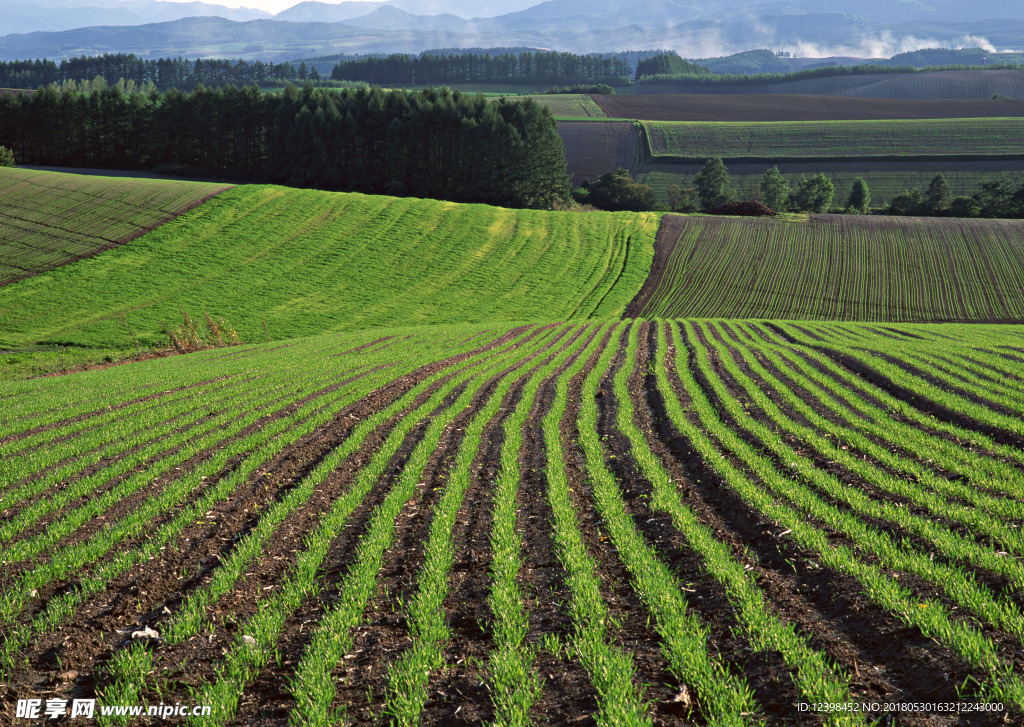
[49,219]
[649,523]
[795,140]
[306,262]
[836,267]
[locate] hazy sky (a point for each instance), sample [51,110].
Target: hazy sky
[271,6]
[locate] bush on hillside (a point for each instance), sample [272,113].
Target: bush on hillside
[617,191]
[600,89]
[744,209]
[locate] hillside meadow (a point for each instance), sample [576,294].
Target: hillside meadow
[305,262]
[49,219]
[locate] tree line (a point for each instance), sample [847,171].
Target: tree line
[668,67]
[1000,196]
[540,67]
[433,143]
[165,73]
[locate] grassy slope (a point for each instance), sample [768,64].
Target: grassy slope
[840,268]
[834,139]
[310,262]
[49,219]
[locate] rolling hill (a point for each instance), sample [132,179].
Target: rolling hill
[304,262]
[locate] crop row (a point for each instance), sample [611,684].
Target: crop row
[742,517]
[835,139]
[837,268]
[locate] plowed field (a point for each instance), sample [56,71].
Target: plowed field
[595,147]
[836,267]
[623,523]
[946,85]
[795,107]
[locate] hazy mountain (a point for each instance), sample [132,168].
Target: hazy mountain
[571,25]
[391,18]
[463,8]
[19,16]
[317,12]
[321,12]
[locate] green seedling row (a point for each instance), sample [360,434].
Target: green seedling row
[818,680]
[724,697]
[611,669]
[245,659]
[49,219]
[429,631]
[838,268]
[929,615]
[515,684]
[790,140]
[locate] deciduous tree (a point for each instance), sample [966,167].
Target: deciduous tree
[775,190]
[713,184]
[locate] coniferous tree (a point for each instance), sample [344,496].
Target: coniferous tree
[940,196]
[860,197]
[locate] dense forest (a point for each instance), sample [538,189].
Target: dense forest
[540,67]
[165,73]
[433,143]
[669,64]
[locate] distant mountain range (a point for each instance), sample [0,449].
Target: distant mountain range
[808,28]
[21,16]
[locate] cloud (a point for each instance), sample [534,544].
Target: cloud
[884,45]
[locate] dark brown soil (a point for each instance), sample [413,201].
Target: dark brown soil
[794,107]
[595,147]
[664,243]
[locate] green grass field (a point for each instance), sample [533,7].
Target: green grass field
[49,219]
[949,138]
[837,267]
[308,262]
[434,499]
